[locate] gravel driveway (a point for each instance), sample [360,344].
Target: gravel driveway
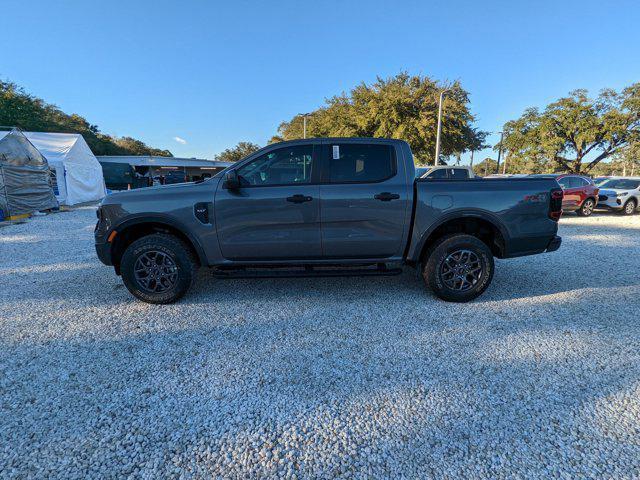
[353,377]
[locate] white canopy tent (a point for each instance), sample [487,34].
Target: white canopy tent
[78,174]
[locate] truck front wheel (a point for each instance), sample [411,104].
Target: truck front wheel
[158,268]
[458,268]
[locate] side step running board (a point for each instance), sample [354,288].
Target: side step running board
[309,272]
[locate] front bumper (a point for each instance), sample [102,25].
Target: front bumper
[103,249]
[554,244]
[610,202]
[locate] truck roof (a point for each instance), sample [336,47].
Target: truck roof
[338,139]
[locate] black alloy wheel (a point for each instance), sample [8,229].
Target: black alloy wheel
[461,270]
[155,271]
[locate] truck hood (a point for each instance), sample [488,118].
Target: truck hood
[144,193]
[613,191]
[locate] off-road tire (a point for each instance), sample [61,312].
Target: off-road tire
[442,250]
[586,209]
[182,259]
[629,207]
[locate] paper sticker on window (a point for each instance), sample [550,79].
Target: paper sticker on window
[336,152]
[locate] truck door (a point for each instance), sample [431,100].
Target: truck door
[364,195]
[275,214]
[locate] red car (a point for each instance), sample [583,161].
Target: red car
[580,193]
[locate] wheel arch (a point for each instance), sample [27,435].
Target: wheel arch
[484,226]
[132,229]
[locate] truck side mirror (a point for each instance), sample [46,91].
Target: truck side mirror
[231,180]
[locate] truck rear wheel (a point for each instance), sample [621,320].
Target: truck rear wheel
[459,268]
[158,268]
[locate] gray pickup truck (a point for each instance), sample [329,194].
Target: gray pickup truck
[326,207]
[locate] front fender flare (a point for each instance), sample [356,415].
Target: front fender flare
[168,220]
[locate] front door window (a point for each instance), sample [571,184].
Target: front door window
[284,166]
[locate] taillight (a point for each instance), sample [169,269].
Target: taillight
[555,204]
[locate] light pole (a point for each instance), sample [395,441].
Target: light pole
[304,124]
[439,125]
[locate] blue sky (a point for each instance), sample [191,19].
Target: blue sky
[215,73]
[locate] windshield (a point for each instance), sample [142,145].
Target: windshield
[621,183]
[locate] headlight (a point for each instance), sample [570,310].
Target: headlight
[622,194]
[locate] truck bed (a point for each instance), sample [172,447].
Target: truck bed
[517,207]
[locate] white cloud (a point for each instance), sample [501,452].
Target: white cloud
[180,140]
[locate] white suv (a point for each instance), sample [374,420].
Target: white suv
[620,194]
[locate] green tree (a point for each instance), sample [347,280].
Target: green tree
[20,109]
[624,163]
[485,167]
[520,164]
[576,133]
[631,158]
[240,151]
[136,147]
[403,107]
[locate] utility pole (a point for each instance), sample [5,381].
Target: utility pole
[499,152]
[438,131]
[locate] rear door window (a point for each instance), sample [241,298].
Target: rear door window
[360,163]
[582,182]
[459,173]
[569,182]
[438,173]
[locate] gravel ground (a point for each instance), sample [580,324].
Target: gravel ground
[354,377]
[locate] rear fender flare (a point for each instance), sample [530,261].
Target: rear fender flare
[455,215]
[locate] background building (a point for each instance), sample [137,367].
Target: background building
[123,171]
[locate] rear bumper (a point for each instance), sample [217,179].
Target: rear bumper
[554,244]
[103,249]
[533,245]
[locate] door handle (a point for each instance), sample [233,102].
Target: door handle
[386,196]
[299,198]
